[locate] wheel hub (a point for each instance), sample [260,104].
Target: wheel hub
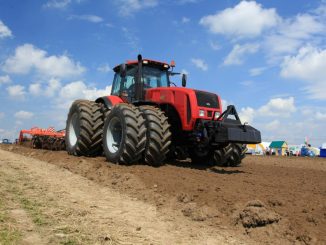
[74,129]
[114,135]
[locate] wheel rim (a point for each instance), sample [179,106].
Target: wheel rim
[114,135]
[74,129]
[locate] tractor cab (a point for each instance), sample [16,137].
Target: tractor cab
[134,77]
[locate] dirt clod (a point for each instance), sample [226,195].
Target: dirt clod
[185,198]
[196,213]
[256,215]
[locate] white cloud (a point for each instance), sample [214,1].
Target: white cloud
[131,39]
[320,116]
[57,4]
[214,45]
[256,71]
[4,79]
[16,91]
[50,90]
[87,17]
[247,115]
[293,32]
[79,90]
[303,26]
[278,107]
[308,65]
[278,120]
[200,63]
[24,115]
[27,58]
[129,7]
[247,19]
[225,104]
[53,86]
[247,83]
[4,31]
[278,45]
[105,68]
[236,56]
[185,20]
[273,125]
[35,88]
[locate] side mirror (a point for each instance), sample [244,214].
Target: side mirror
[123,70]
[184,80]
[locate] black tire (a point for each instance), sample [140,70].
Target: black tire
[221,156]
[229,156]
[36,142]
[235,158]
[238,154]
[124,134]
[158,135]
[201,153]
[84,129]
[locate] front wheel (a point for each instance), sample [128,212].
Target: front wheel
[124,134]
[230,155]
[239,152]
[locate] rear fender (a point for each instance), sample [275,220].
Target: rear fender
[109,101]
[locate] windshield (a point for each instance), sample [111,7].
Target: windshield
[152,78]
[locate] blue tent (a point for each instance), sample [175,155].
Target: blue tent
[322,152]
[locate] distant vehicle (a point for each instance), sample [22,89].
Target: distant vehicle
[6,142]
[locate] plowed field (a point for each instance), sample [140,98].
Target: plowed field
[51,197]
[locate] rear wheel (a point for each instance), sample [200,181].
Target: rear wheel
[124,134]
[84,129]
[158,135]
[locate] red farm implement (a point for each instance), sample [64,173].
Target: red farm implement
[44,138]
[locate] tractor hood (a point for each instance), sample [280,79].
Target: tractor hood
[202,98]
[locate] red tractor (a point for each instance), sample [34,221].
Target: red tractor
[147,118]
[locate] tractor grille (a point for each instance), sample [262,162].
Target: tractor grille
[206,99]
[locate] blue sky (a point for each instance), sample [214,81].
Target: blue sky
[266,57]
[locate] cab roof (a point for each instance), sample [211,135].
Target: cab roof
[159,64]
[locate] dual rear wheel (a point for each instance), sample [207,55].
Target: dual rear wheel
[127,134]
[131,134]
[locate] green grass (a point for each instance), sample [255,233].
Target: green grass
[9,236]
[69,241]
[33,208]
[3,217]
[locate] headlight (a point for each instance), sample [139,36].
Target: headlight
[217,114]
[201,113]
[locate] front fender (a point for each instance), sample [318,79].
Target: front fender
[109,101]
